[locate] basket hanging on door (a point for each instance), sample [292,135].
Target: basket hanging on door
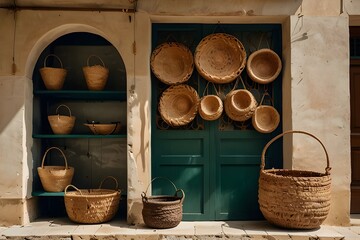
[96,76]
[162,211]
[53,77]
[294,199]
[92,205]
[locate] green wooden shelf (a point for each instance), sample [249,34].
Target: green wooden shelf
[82,94]
[58,136]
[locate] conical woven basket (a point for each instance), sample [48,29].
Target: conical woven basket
[220,58]
[210,107]
[61,124]
[263,66]
[53,78]
[240,104]
[172,63]
[294,199]
[96,76]
[55,178]
[178,105]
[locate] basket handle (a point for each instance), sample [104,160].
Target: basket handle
[143,194]
[262,166]
[88,59]
[109,177]
[52,55]
[62,105]
[46,152]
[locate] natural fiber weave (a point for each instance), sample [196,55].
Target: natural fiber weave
[104,129]
[211,107]
[240,104]
[265,118]
[96,76]
[61,124]
[53,78]
[92,205]
[172,63]
[263,66]
[294,199]
[55,178]
[178,105]
[220,58]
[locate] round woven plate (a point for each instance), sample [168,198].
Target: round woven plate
[172,63]
[178,105]
[220,58]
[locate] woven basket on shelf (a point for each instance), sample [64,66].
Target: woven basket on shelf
[178,105]
[265,118]
[220,58]
[61,124]
[53,77]
[55,178]
[240,104]
[96,76]
[162,211]
[92,205]
[172,63]
[294,199]
[263,66]
[104,128]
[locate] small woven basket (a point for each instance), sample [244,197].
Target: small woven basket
[263,66]
[92,205]
[53,78]
[61,124]
[265,118]
[96,76]
[211,107]
[172,63]
[178,105]
[55,178]
[103,128]
[294,199]
[162,211]
[240,104]
[220,58]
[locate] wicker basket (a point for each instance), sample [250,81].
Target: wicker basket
[103,128]
[178,105]
[240,104]
[265,118]
[55,178]
[294,199]
[220,58]
[53,77]
[210,107]
[162,211]
[172,63]
[263,66]
[96,76]
[92,205]
[61,124]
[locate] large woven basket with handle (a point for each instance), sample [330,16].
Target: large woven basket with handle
[61,124]
[96,76]
[294,199]
[53,78]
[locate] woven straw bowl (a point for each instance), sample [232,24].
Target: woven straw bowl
[104,129]
[263,66]
[240,105]
[53,77]
[265,119]
[178,105]
[172,63]
[220,58]
[61,124]
[211,107]
[96,76]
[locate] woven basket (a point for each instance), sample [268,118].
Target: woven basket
[265,118]
[96,76]
[294,199]
[61,124]
[104,129]
[263,66]
[53,77]
[220,58]
[162,211]
[210,107]
[240,104]
[92,205]
[172,63]
[178,105]
[55,178]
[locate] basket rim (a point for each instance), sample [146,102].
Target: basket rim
[272,170]
[76,194]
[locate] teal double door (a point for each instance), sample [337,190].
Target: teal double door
[216,163]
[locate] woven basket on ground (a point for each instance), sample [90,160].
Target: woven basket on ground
[92,205]
[265,118]
[53,77]
[294,199]
[178,105]
[96,76]
[240,104]
[172,63]
[55,178]
[162,211]
[220,58]
[263,66]
[61,124]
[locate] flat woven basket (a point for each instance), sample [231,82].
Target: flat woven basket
[163,211]
[178,105]
[53,78]
[92,205]
[61,124]
[294,199]
[220,58]
[55,178]
[240,104]
[172,63]
[96,76]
